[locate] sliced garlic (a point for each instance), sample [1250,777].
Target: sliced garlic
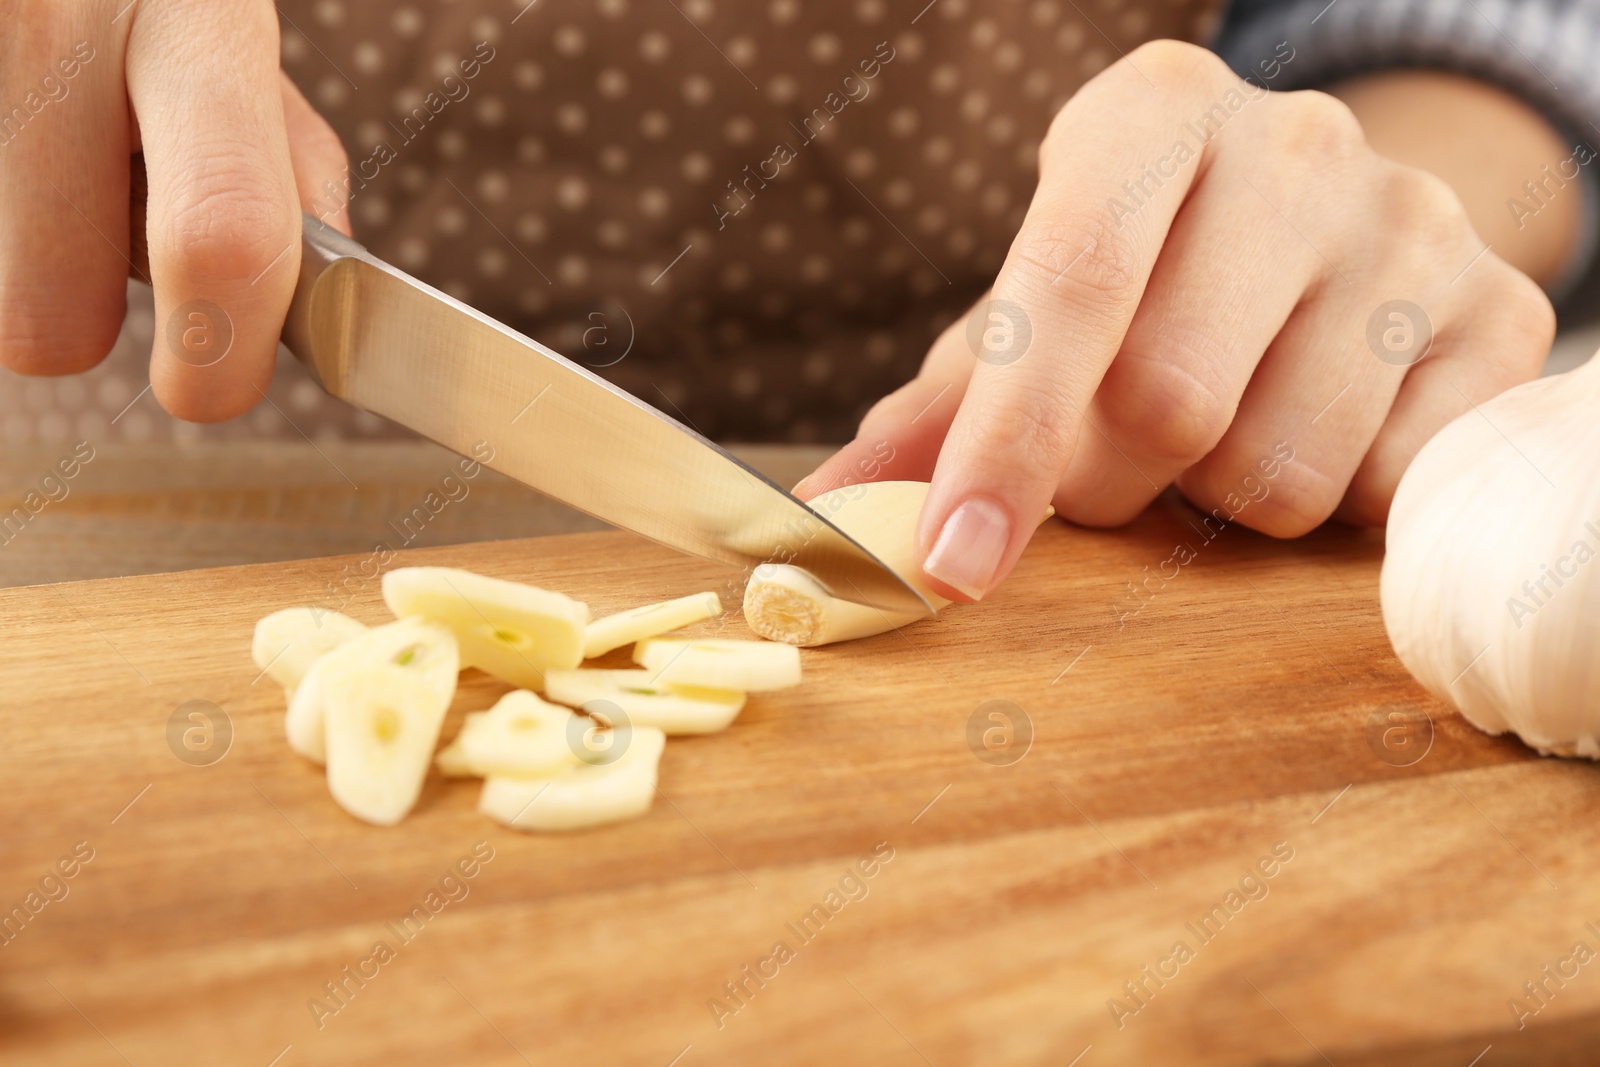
[286,643]
[425,651]
[584,794]
[643,702]
[450,760]
[512,631]
[381,727]
[522,736]
[636,624]
[720,663]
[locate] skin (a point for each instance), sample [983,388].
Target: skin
[1186,343]
[1177,343]
[230,147]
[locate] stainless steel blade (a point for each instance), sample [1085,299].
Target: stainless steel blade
[385,342]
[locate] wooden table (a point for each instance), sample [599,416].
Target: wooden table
[1236,723]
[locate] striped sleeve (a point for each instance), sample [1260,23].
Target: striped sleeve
[1545,51]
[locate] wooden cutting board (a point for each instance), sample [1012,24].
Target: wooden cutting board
[1162,757]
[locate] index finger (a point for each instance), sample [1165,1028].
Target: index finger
[1114,171]
[224,212]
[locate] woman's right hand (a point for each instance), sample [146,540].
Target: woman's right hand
[231,149]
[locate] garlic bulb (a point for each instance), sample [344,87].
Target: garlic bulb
[1490,589]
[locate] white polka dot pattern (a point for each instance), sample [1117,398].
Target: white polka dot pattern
[780,203]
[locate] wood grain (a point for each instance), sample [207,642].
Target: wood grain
[1172,750]
[154,507]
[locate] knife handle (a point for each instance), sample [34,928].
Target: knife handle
[138,240]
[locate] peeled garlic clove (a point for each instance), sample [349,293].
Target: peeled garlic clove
[1490,588]
[510,630]
[425,651]
[583,795]
[720,663]
[521,736]
[286,643]
[381,728]
[786,603]
[672,709]
[636,624]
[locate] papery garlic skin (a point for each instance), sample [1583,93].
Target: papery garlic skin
[1491,583]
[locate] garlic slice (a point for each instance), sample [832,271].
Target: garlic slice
[1491,583]
[720,663]
[672,709]
[286,643]
[426,652]
[381,726]
[450,760]
[636,624]
[583,795]
[513,631]
[521,736]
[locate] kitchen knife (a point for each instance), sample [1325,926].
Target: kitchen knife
[385,342]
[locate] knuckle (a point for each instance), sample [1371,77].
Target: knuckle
[1179,63]
[1028,431]
[1425,210]
[1532,316]
[228,224]
[1164,408]
[1086,253]
[1307,128]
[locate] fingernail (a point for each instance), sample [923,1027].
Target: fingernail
[969,549]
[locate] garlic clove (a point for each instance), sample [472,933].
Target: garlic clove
[786,603]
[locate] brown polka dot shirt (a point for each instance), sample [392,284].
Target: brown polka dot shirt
[756,216]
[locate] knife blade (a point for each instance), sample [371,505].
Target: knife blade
[387,343]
